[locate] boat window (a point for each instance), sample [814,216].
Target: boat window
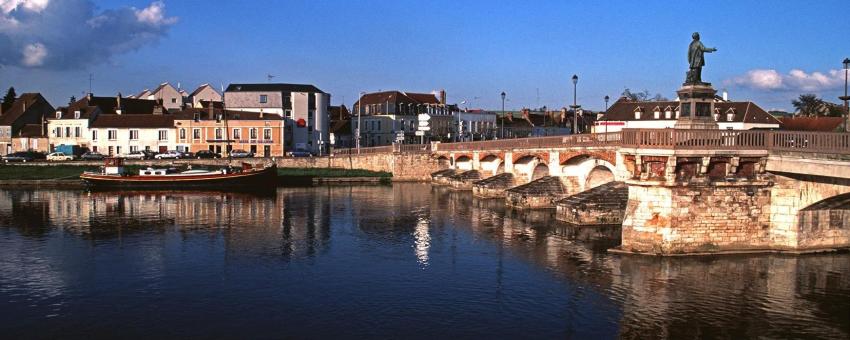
[147,172]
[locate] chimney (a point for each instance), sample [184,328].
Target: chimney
[443,97]
[118,107]
[89,96]
[725,95]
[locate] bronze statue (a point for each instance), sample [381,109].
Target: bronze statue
[696,60]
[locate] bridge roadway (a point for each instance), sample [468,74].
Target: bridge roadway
[689,191]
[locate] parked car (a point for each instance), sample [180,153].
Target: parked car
[132,155]
[241,154]
[18,157]
[300,154]
[170,154]
[207,154]
[59,156]
[149,154]
[92,156]
[187,154]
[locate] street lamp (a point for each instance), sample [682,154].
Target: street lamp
[605,121]
[575,105]
[606,103]
[845,98]
[502,133]
[457,132]
[359,108]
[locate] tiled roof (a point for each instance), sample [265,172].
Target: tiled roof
[133,121]
[31,131]
[825,124]
[189,113]
[19,107]
[272,88]
[746,112]
[201,88]
[108,105]
[397,97]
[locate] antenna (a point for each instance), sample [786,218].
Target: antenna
[90,79]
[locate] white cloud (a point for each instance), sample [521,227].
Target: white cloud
[154,15]
[34,55]
[795,80]
[75,32]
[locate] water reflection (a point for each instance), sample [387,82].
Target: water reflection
[401,260]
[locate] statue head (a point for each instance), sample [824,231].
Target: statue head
[695,35]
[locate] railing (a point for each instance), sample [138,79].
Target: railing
[366,151]
[812,142]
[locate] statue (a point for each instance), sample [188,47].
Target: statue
[696,60]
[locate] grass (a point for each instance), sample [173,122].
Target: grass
[13,172]
[330,172]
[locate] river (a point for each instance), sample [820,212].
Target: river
[400,261]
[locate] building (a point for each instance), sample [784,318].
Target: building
[204,93]
[340,127]
[304,109]
[71,125]
[31,137]
[121,133]
[392,116]
[28,109]
[221,131]
[729,115]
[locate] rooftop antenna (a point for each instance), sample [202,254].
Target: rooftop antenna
[90,79]
[538,97]
[270,77]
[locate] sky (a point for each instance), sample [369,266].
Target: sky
[768,52]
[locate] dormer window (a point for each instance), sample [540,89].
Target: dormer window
[730,114]
[668,112]
[677,113]
[638,112]
[716,114]
[656,112]
[58,114]
[77,114]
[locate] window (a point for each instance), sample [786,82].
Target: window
[217,133]
[94,135]
[264,99]
[173,100]
[67,131]
[237,134]
[133,148]
[58,132]
[112,134]
[196,133]
[253,133]
[287,114]
[182,133]
[134,134]
[163,134]
[77,132]
[267,134]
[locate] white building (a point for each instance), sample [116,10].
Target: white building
[304,108]
[626,114]
[113,134]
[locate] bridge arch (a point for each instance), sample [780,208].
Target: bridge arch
[530,167]
[463,162]
[588,170]
[490,163]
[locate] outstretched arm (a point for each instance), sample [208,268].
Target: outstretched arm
[709,49]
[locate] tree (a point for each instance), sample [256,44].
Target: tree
[72,100]
[812,106]
[9,99]
[644,96]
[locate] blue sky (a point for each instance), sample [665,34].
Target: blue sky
[767,52]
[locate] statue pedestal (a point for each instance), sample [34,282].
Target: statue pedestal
[696,107]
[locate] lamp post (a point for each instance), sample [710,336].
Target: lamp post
[845,98]
[575,105]
[359,108]
[457,132]
[502,132]
[605,121]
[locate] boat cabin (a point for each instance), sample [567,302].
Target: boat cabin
[113,166]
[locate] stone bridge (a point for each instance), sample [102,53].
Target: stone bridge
[673,191]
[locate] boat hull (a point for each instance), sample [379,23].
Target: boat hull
[257,179]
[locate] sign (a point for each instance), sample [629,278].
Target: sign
[420,133]
[423,123]
[424,128]
[423,117]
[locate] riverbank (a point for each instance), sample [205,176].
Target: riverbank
[55,176]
